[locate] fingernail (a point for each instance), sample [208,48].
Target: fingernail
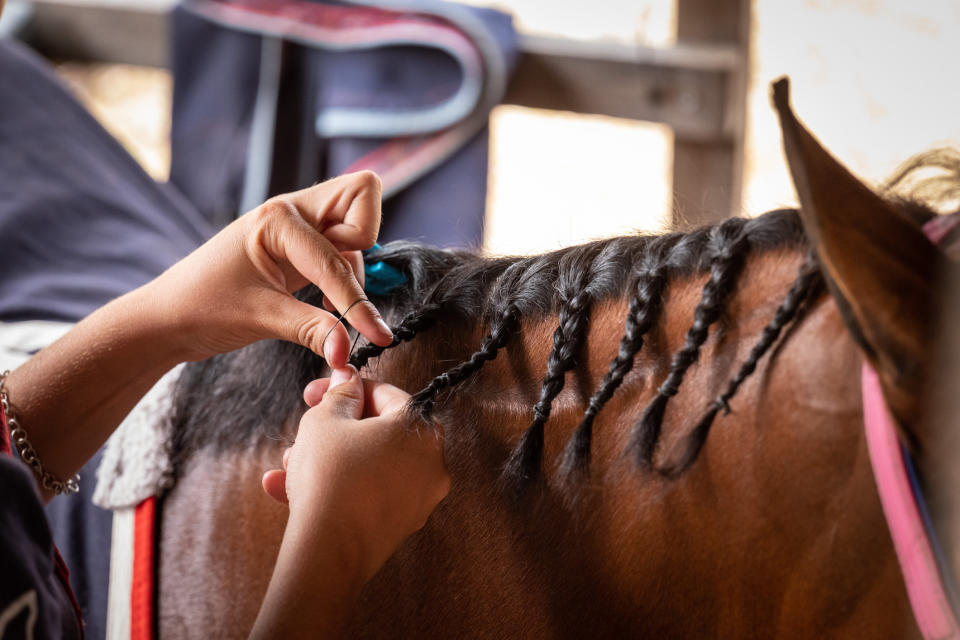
[327,351]
[384,327]
[339,376]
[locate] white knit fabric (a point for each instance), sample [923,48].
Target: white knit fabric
[20,340]
[136,463]
[121,575]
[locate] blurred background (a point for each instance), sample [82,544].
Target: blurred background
[873,79]
[619,116]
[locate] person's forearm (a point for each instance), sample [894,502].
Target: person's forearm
[72,395]
[315,584]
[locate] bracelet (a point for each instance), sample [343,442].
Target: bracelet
[28,454]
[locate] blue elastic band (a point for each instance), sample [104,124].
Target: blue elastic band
[946,574]
[381,278]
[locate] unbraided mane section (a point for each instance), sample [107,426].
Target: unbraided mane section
[728,251]
[927,180]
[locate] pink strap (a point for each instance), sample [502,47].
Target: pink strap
[939,227]
[918,563]
[931,607]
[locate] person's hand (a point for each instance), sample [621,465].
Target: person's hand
[236,288]
[361,468]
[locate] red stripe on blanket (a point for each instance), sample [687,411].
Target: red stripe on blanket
[141,589]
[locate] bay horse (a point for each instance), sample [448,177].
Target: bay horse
[688,462]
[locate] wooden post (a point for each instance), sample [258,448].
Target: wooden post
[708,174]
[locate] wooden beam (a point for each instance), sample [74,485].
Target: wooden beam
[708,175]
[683,87]
[101,31]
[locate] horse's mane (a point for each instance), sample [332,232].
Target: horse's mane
[568,283]
[225,402]
[929,181]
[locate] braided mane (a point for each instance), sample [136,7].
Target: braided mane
[568,283]
[223,401]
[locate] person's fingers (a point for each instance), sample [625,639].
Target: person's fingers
[312,255]
[313,392]
[379,397]
[355,258]
[345,209]
[329,306]
[274,484]
[314,328]
[356,261]
[344,396]
[383,399]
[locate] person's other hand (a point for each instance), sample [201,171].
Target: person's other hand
[361,468]
[236,288]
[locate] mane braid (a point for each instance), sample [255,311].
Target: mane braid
[412,324]
[649,286]
[729,245]
[501,330]
[809,280]
[572,323]
[511,289]
[239,400]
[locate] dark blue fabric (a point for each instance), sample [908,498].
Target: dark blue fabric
[80,224]
[446,207]
[27,560]
[216,73]
[215,87]
[80,221]
[82,532]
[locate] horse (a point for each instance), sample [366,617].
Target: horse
[658,435]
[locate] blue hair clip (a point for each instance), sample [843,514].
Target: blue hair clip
[381,278]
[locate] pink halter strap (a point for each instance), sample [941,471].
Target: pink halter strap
[901,506]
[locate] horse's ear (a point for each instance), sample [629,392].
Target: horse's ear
[879,265]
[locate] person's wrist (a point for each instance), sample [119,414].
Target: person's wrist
[316,558]
[326,543]
[155,328]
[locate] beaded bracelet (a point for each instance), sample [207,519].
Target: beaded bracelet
[18,437]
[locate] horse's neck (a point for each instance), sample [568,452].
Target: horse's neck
[779,503]
[774,531]
[815,367]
